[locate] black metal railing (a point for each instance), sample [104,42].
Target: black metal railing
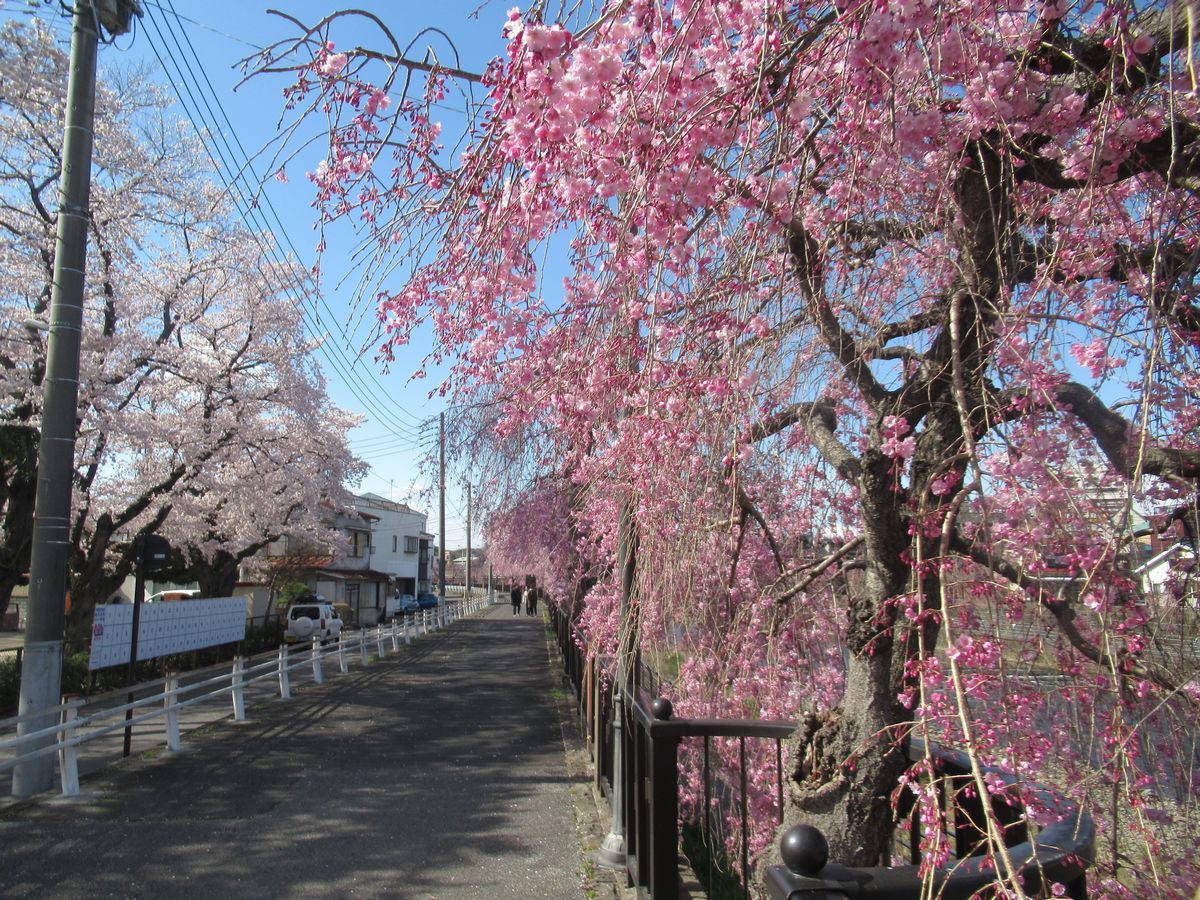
[651,741]
[1060,853]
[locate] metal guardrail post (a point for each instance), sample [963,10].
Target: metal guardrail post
[68,757]
[379,640]
[409,619]
[239,689]
[395,637]
[362,647]
[171,707]
[664,806]
[343,663]
[315,655]
[285,682]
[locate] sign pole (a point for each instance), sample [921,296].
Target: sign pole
[139,594]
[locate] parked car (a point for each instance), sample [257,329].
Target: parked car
[166,596]
[426,600]
[310,617]
[402,605]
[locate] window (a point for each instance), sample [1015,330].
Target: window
[394,540]
[410,544]
[362,543]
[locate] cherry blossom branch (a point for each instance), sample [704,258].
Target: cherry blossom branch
[748,508]
[282,49]
[1124,665]
[1167,29]
[1169,154]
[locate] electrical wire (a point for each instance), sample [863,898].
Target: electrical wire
[236,173]
[421,434]
[251,210]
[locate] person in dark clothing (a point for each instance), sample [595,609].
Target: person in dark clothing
[534,595]
[516,600]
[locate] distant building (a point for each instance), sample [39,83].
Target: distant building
[389,554]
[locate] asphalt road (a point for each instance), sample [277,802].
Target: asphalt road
[436,773]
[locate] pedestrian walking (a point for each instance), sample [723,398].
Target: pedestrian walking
[516,599]
[534,596]
[529,601]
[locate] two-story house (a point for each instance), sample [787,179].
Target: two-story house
[388,552]
[400,544]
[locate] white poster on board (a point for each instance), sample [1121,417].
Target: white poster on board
[165,628]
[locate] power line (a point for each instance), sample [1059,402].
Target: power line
[250,204]
[209,28]
[392,446]
[234,174]
[412,435]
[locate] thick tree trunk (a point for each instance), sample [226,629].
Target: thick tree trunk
[846,761]
[18,491]
[219,577]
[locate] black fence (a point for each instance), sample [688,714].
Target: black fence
[651,738]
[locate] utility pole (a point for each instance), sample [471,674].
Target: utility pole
[468,541]
[442,509]
[41,666]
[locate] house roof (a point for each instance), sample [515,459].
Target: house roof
[362,573]
[384,503]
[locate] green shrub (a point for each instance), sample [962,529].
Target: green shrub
[10,685]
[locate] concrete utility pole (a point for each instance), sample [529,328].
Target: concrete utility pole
[41,668]
[442,508]
[468,542]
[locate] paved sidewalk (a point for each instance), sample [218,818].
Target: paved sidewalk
[435,773]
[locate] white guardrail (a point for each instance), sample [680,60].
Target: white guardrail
[75,728]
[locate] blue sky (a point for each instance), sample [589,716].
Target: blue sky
[196,47]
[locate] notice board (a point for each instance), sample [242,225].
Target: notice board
[165,628]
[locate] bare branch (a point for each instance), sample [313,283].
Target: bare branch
[1124,664]
[805,253]
[814,571]
[820,421]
